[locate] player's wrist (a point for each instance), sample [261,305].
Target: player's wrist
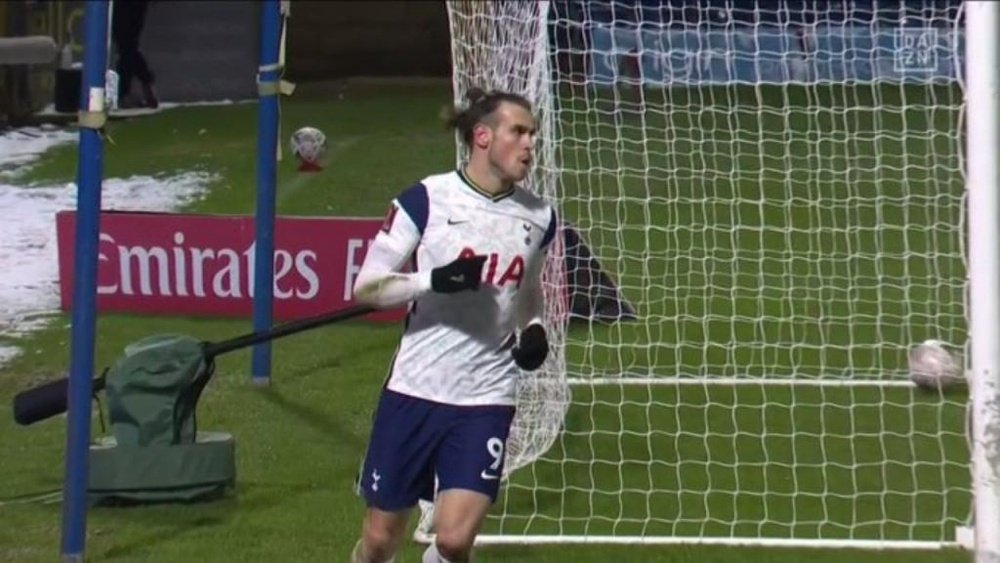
[533,321]
[424,284]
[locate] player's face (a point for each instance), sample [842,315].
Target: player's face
[512,145]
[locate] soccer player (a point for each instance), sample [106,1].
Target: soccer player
[475,242]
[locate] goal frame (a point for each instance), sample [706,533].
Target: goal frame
[981,88]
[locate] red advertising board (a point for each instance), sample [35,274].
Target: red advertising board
[202,265]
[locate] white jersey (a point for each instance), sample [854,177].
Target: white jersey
[456,347]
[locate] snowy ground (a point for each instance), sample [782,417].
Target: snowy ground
[29,284]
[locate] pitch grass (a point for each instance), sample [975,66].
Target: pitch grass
[299,442]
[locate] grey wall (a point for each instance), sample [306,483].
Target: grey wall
[335,39]
[208,50]
[203,50]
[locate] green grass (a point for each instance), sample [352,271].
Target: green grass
[815,240]
[750,288]
[748,461]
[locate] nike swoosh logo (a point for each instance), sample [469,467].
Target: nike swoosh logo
[457,222]
[487,476]
[457,279]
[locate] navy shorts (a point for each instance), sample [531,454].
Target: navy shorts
[414,441]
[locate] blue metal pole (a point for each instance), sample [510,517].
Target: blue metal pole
[89,170]
[267,146]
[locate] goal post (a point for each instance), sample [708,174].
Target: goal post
[983,95]
[779,188]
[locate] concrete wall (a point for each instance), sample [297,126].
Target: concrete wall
[206,50]
[209,49]
[337,39]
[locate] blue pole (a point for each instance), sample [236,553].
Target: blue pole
[89,169]
[267,138]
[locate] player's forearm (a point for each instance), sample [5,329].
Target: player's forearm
[387,289]
[531,305]
[532,343]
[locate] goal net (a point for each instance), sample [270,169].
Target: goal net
[777,188]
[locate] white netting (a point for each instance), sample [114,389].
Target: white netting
[777,188]
[504,46]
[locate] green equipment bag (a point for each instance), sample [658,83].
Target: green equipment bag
[156,453]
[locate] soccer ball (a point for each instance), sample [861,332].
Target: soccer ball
[933,367]
[308,144]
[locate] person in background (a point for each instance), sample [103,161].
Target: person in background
[127,20]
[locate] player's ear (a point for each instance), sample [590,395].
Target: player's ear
[482,134]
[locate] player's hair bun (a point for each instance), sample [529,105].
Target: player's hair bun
[475,95]
[478,105]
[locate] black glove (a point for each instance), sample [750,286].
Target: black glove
[531,348]
[459,275]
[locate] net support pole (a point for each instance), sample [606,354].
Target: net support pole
[268,79]
[983,128]
[83,317]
